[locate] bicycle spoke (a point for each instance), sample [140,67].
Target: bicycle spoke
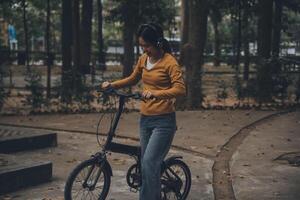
[91,195]
[81,189]
[175,181]
[88,184]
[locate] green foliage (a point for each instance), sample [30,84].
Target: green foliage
[108,102]
[271,82]
[112,31]
[238,85]
[65,87]
[248,89]
[290,26]
[161,12]
[281,82]
[222,93]
[225,13]
[84,94]
[33,80]
[293,5]
[11,11]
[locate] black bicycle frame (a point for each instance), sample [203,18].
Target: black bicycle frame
[117,147]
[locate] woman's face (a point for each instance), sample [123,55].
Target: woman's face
[148,48]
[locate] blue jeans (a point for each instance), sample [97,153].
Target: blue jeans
[156,135]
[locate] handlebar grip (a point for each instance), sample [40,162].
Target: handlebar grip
[112,91]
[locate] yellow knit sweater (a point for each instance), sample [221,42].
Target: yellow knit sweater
[164,80]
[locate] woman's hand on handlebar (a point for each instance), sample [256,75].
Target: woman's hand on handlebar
[147,95]
[105,85]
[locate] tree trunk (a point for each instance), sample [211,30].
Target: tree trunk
[76,48]
[246,43]
[217,56]
[47,39]
[128,59]
[239,38]
[265,28]
[184,49]
[246,59]
[277,28]
[67,40]
[26,35]
[238,52]
[86,31]
[101,52]
[197,37]
[264,70]
[184,28]
[184,21]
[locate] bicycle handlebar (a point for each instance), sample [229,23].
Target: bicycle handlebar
[112,91]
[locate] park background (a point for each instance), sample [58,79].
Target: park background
[234,54]
[240,60]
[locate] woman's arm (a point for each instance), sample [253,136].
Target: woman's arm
[130,80]
[177,85]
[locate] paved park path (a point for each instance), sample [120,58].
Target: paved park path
[233,154]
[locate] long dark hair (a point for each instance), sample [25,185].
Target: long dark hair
[153,34]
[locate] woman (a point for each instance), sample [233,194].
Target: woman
[162,83]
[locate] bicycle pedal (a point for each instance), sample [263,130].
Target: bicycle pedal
[134,190]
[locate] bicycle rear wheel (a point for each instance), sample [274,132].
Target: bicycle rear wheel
[175,180]
[89,180]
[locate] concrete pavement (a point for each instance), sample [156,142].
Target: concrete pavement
[201,134]
[256,167]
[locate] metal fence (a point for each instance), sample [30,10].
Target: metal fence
[215,79]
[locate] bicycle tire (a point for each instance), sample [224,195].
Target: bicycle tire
[173,183]
[92,166]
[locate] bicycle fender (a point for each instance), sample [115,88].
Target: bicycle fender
[172,158]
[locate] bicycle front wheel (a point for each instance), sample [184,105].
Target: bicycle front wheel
[89,180]
[175,180]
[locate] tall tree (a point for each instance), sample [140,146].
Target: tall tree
[216,17]
[86,32]
[47,39]
[264,72]
[246,39]
[239,34]
[294,6]
[184,47]
[198,12]
[265,10]
[130,25]
[76,72]
[277,28]
[131,13]
[126,12]
[67,41]
[24,5]
[101,53]
[184,21]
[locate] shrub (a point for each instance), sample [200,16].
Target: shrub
[34,85]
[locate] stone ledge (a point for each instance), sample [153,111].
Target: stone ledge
[14,176]
[17,139]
